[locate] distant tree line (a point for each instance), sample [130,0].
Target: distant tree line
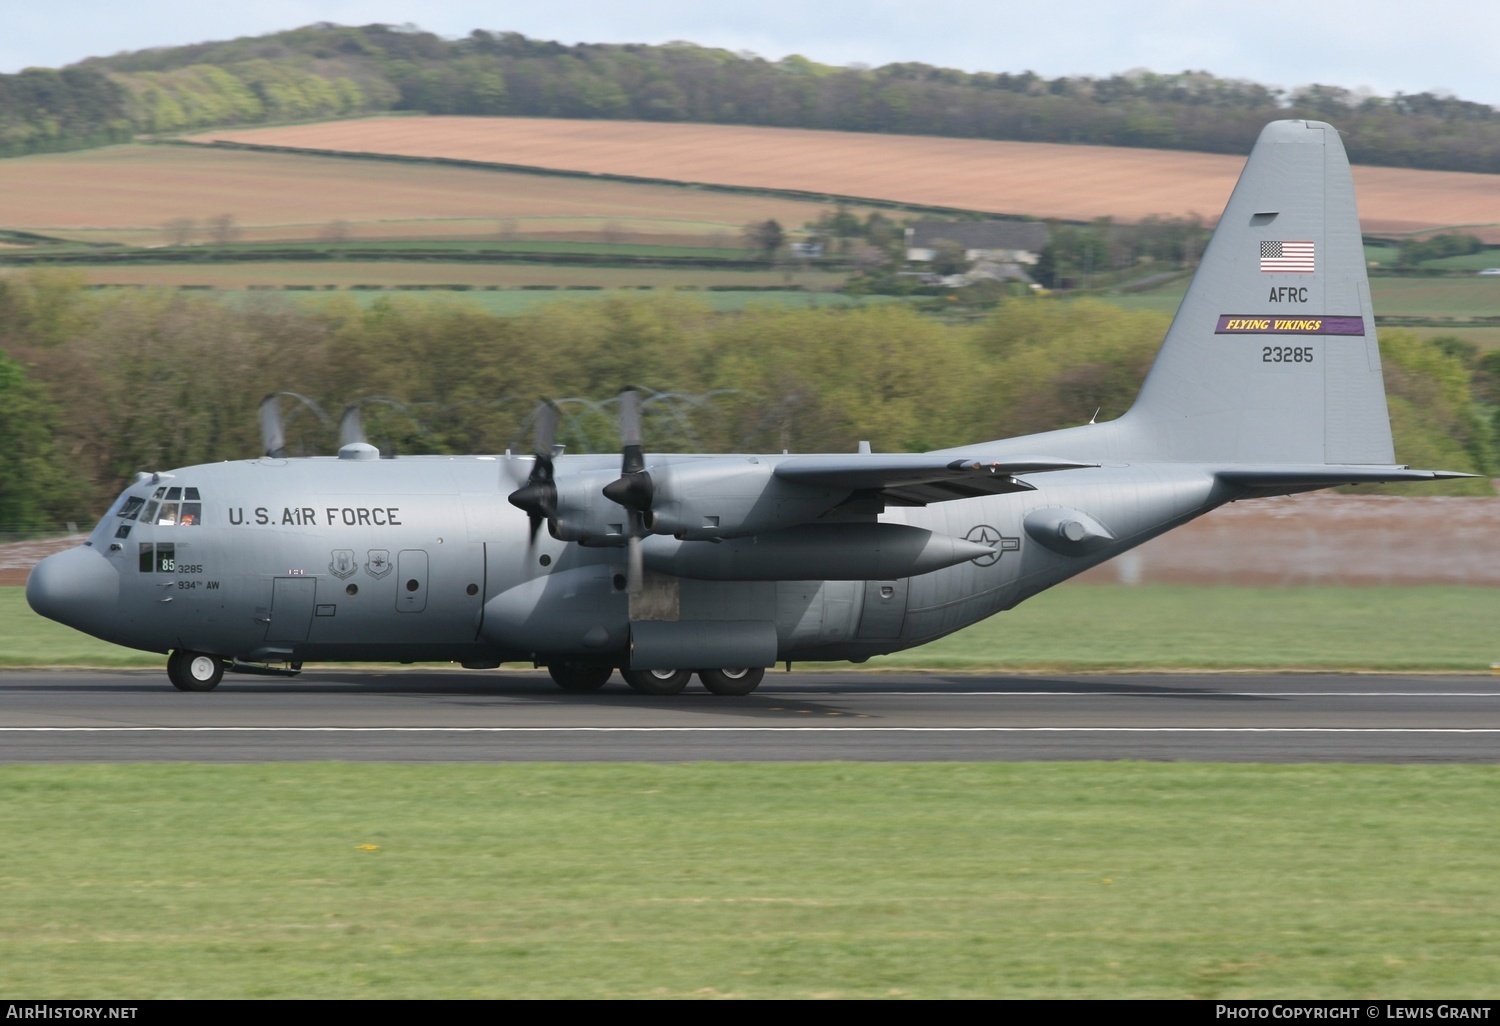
[97,385]
[327,70]
[42,111]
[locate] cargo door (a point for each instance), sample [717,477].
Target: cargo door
[292,602]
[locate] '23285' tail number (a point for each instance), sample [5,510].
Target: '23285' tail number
[1286,354]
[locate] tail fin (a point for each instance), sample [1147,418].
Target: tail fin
[1272,357]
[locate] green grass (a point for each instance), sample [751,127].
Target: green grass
[515,302]
[438,248]
[749,880]
[1460,298]
[1102,627]
[1469,296]
[1467,261]
[1087,627]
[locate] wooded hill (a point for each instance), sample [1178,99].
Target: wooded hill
[448,377]
[327,71]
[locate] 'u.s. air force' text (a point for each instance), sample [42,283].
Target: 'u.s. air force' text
[307,516]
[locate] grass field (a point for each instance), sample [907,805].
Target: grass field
[1130,628]
[1036,179]
[391,273]
[749,880]
[1468,261]
[126,194]
[1458,298]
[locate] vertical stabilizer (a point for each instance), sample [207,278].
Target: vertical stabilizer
[1272,356]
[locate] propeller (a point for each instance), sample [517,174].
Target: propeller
[633,489]
[352,426]
[538,496]
[273,429]
[272,434]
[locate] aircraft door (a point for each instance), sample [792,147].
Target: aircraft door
[411,581]
[292,602]
[885,609]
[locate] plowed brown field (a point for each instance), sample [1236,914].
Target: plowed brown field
[127,193]
[1035,179]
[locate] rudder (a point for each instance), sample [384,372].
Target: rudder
[1272,357]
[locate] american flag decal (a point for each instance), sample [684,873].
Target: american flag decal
[1286,257]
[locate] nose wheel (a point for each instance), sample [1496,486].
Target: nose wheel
[194,671]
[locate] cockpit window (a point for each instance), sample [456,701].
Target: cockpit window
[166,510]
[160,492]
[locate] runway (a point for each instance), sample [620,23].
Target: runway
[425,716]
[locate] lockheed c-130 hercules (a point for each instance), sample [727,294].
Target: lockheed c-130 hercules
[1268,383]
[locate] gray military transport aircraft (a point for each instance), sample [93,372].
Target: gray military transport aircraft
[1267,383]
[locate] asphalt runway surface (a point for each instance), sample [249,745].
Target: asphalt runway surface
[439,716]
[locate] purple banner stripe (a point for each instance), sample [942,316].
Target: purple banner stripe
[1273,324]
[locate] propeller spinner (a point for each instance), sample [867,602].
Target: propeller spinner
[538,496]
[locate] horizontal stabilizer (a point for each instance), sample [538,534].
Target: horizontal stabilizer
[1299,478]
[916,479]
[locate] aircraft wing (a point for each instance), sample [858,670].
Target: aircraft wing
[917,479]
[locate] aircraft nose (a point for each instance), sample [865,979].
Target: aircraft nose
[78,587]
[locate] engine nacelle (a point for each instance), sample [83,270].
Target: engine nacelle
[584,514]
[730,498]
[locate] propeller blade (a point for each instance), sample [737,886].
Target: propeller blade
[633,489]
[351,426]
[632,461]
[635,569]
[272,435]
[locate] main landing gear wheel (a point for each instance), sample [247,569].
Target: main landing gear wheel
[580,678]
[657,682]
[194,671]
[732,682]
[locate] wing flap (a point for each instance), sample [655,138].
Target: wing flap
[918,479]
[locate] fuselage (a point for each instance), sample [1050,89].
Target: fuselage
[422,558]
